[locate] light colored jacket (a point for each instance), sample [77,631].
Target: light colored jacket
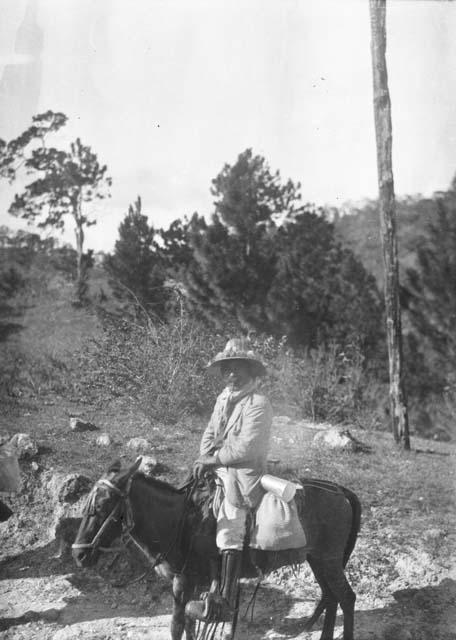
[242,448]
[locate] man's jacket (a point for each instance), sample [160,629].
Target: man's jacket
[242,446]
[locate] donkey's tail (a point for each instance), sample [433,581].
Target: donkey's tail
[356,523]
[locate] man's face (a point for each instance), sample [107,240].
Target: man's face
[236,373]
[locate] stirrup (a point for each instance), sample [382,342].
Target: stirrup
[212,608]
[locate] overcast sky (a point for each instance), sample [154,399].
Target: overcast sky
[167,91]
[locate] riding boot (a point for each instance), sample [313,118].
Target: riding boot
[220,607]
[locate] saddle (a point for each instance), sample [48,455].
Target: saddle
[274,525]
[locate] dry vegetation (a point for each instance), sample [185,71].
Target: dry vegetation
[402,569]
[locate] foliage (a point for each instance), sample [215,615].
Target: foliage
[13,154]
[320,292]
[275,266]
[64,182]
[159,367]
[429,302]
[247,196]
[326,384]
[429,294]
[28,263]
[136,266]
[359,231]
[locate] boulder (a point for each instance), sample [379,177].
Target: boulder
[73,487]
[340,439]
[104,440]
[140,445]
[78,425]
[24,446]
[148,465]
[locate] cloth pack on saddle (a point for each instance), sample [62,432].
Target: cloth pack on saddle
[276,523]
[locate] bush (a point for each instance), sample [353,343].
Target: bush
[161,368]
[31,375]
[329,384]
[158,366]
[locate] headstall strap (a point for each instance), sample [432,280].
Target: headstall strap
[128,522]
[112,486]
[123,496]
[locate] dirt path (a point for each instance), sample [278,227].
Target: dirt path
[405,580]
[45,598]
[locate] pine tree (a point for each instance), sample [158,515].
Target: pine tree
[272,265]
[320,292]
[63,185]
[136,267]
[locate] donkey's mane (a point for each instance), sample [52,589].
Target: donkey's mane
[155,482]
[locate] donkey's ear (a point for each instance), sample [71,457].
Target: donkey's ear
[115,467]
[135,466]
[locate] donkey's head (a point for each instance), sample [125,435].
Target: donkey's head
[102,515]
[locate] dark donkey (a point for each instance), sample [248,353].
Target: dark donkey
[176,530]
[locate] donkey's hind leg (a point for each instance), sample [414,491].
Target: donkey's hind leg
[327,602]
[320,607]
[342,591]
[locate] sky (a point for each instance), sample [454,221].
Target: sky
[168,91]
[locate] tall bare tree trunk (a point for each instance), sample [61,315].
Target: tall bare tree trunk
[81,275]
[383,133]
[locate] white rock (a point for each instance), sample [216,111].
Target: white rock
[24,445]
[148,465]
[103,440]
[342,439]
[281,420]
[141,445]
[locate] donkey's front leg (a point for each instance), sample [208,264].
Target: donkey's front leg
[183,588]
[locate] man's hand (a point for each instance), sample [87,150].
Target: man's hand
[203,464]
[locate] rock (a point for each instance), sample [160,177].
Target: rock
[341,439]
[104,440]
[141,445]
[434,534]
[280,421]
[148,465]
[73,487]
[10,473]
[24,445]
[78,425]
[65,534]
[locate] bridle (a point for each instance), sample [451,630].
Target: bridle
[121,508]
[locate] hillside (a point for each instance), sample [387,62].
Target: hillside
[402,569]
[359,230]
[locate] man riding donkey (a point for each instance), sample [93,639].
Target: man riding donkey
[235,446]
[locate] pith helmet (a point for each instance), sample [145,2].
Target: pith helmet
[237,349]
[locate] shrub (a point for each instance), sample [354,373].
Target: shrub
[161,368]
[158,366]
[324,384]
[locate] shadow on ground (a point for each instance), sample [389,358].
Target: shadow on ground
[8,328]
[53,591]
